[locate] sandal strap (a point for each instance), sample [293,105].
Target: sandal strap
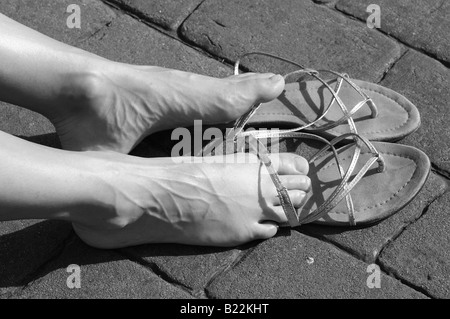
[285,200]
[253,144]
[238,61]
[345,187]
[347,115]
[335,92]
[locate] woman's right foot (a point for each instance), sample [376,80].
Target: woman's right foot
[161,201]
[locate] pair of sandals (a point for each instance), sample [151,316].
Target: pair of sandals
[367,178]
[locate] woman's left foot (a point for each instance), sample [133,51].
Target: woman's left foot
[115,108]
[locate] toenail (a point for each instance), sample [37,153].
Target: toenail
[303,199]
[300,165]
[300,199]
[307,183]
[276,78]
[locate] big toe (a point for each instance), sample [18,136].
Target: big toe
[261,87]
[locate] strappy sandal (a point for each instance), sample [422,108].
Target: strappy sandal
[333,107]
[376,179]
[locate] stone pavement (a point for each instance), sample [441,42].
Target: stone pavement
[409,54]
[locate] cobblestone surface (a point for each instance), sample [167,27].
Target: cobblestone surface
[167,13]
[421,254]
[25,246]
[368,242]
[425,82]
[192,267]
[25,123]
[422,24]
[296,266]
[50,17]
[129,41]
[103,274]
[312,35]
[203,37]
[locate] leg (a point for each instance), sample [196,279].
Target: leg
[97,104]
[115,200]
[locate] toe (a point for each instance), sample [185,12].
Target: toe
[276,214]
[269,88]
[297,198]
[262,87]
[296,182]
[265,230]
[289,164]
[252,76]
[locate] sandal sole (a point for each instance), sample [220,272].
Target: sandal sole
[301,102]
[377,195]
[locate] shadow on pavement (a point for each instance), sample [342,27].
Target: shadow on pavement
[46,246]
[27,246]
[50,139]
[152,146]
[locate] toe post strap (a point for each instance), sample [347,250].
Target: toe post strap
[349,178]
[251,142]
[336,100]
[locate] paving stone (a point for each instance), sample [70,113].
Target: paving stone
[324,1]
[103,274]
[167,13]
[49,17]
[423,24]
[25,246]
[130,41]
[298,266]
[367,242]
[27,125]
[309,33]
[421,254]
[191,266]
[425,82]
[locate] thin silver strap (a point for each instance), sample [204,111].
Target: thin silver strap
[312,126]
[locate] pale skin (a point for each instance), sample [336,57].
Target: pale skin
[101,109]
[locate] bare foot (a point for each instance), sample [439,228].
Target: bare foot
[159,201]
[114,106]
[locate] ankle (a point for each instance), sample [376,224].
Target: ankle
[108,176]
[77,90]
